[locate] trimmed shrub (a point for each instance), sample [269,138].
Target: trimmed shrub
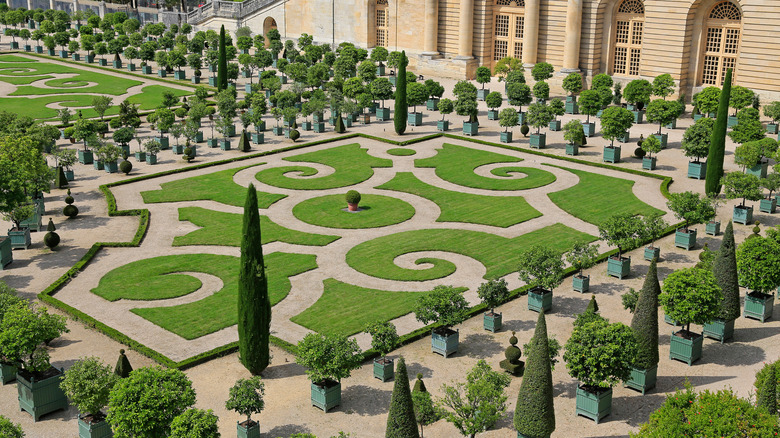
[724,267]
[195,423]
[51,239]
[401,108]
[645,320]
[126,166]
[401,421]
[123,367]
[712,184]
[353,197]
[535,411]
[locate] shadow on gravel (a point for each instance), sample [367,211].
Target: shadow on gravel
[364,400]
[569,306]
[673,383]
[627,409]
[732,354]
[517,325]
[479,346]
[284,370]
[414,368]
[287,430]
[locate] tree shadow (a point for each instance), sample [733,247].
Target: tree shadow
[365,400]
[733,354]
[569,306]
[753,334]
[566,388]
[666,384]
[518,325]
[287,430]
[16,281]
[625,409]
[675,257]
[415,368]
[610,288]
[289,369]
[479,346]
[82,222]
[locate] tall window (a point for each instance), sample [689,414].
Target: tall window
[629,25]
[508,29]
[381,23]
[722,42]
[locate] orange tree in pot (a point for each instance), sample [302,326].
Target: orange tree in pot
[622,230]
[384,338]
[246,398]
[492,293]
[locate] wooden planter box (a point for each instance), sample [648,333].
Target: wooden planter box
[719,329]
[768,205]
[326,396]
[151,159]
[594,405]
[443,125]
[383,369]
[195,79]
[111,167]
[492,114]
[213,83]
[639,117]
[555,125]
[732,121]
[162,73]
[648,163]
[306,126]
[117,64]
[521,119]
[581,284]
[683,239]
[85,156]
[470,128]
[383,114]
[180,75]
[742,215]
[572,149]
[697,169]
[539,299]
[670,321]
[611,154]
[506,137]
[414,119]
[492,321]
[686,350]
[7,373]
[589,129]
[63,53]
[432,104]
[759,306]
[380,70]
[251,430]
[445,344]
[771,128]
[672,125]
[125,149]
[20,239]
[619,267]
[712,228]
[482,93]
[258,137]
[140,156]
[571,106]
[75,57]
[318,127]
[663,138]
[759,170]
[224,144]
[643,380]
[146,69]
[97,429]
[212,143]
[40,397]
[98,165]
[277,130]
[178,149]
[652,252]
[538,141]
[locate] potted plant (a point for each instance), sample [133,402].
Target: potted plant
[518,94]
[541,268]
[637,94]
[446,306]
[689,295]
[771,183]
[751,156]
[582,256]
[493,100]
[508,119]
[328,359]
[416,94]
[466,105]
[482,77]
[574,134]
[651,145]
[435,92]
[162,119]
[446,106]
[87,385]
[353,199]
[557,109]
[109,154]
[382,89]
[246,398]
[757,261]
[572,84]
[492,293]
[696,145]
[592,340]
[691,208]
[84,130]
[772,111]
[539,115]
[152,147]
[589,103]
[652,228]
[379,56]
[123,136]
[740,185]
[615,122]
[384,338]
[739,99]
[622,231]
[724,267]
[644,324]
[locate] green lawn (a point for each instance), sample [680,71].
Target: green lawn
[345,309]
[151,96]
[106,84]
[597,197]
[351,163]
[497,211]
[456,164]
[498,254]
[36,107]
[401,152]
[156,278]
[220,228]
[14,58]
[376,211]
[217,186]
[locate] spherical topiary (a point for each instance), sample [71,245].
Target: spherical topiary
[524,130]
[70,210]
[641,140]
[69,199]
[188,154]
[294,134]
[125,166]
[51,239]
[353,197]
[756,229]
[639,153]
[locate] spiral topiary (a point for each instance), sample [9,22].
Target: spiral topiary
[125,166]
[51,239]
[70,210]
[188,154]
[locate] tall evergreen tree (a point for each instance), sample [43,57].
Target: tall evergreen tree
[535,411]
[222,79]
[725,269]
[718,141]
[767,394]
[401,422]
[645,320]
[401,109]
[254,306]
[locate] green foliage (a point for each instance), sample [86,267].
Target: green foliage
[416,94]
[125,167]
[483,75]
[696,139]
[518,94]
[23,331]
[541,90]
[328,357]
[401,421]
[493,292]
[638,91]
[246,397]
[602,80]
[542,71]
[9,429]
[615,121]
[663,112]
[741,185]
[572,83]
[445,305]
[339,127]
[384,337]
[539,115]
[771,183]
[590,103]
[507,65]
[767,395]
[541,266]
[425,412]
[712,184]
[535,411]
[87,384]
[753,152]
[663,85]
[195,423]
[763,374]
[644,323]
[222,79]
[691,295]
[401,108]
[123,367]
[582,255]
[651,145]
[622,231]
[23,171]
[757,261]
[740,97]
[748,127]
[600,354]
[507,118]
[573,132]
[446,106]
[772,111]
[691,207]
[494,100]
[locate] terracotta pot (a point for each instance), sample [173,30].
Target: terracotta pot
[352,207]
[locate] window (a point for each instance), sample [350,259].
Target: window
[721,46]
[508,29]
[629,26]
[381,23]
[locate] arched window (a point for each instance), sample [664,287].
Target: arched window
[508,24]
[629,24]
[381,23]
[721,46]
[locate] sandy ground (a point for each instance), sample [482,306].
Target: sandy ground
[365,399]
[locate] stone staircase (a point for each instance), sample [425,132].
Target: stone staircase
[226,9]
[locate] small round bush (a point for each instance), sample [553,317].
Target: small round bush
[639,153]
[125,166]
[524,130]
[294,134]
[188,154]
[51,239]
[70,211]
[353,197]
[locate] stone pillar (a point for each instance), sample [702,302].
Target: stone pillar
[571,46]
[102,10]
[531,32]
[430,46]
[51,4]
[29,5]
[466,30]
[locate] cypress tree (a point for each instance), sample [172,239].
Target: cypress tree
[718,141]
[254,306]
[401,109]
[645,320]
[222,80]
[401,422]
[123,367]
[767,394]
[725,269]
[535,411]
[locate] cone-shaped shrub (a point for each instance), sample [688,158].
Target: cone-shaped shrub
[401,109]
[718,140]
[419,385]
[767,396]
[401,422]
[254,306]
[645,320]
[243,142]
[123,367]
[725,269]
[222,79]
[339,128]
[593,306]
[535,412]
[61,181]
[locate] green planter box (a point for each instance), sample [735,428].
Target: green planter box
[63,53]
[414,119]
[258,138]
[162,73]
[318,127]
[432,104]
[572,149]
[685,350]
[759,306]
[571,105]
[492,321]
[125,149]
[165,143]
[594,405]
[540,299]
[589,129]
[140,156]
[446,343]
[712,228]
[383,114]
[383,369]
[7,373]
[306,126]
[20,239]
[643,380]
[732,121]
[742,215]
[697,169]
[697,116]
[146,69]
[470,128]
[38,49]
[772,128]
[685,239]
[393,79]
[195,79]
[719,329]
[117,64]
[492,114]
[52,52]
[212,143]
[85,156]
[768,205]
[538,141]
[555,125]
[98,165]
[75,56]
[443,125]
[213,83]
[670,321]
[180,75]
[639,117]
[34,222]
[6,253]
[652,252]
[277,130]
[506,137]
[130,66]
[251,430]
[224,144]
[672,125]
[619,267]
[40,397]
[347,122]
[648,163]
[380,70]
[327,396]
[151,159]
[111,167]
[178,149]
[482,93]
[69,175]
[97,429]
[611,154]
[520,119]
[581,283]
[663,138]
[625,137]
[759,170]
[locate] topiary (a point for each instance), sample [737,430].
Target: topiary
[123,367]
[535,411]
[724,267]
[512,364]
[125,166]
[51,239]
[294,134]
[645,320]
[353,197]
[756,229]
[639,152]
[524,130]
[339,128]
[243,142]
[763,374]
[400,418]
[419,385]
[70,210]
[188,154]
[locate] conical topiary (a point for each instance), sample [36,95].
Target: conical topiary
[419,385]
[61,181]
[51,239]
[535,411]
[593,306]
[718,140]
[70,210]
[724,267]
[401,422]
[339,128]
[123,367]
[401,109]
[767,394]
[243,142]
[645,320]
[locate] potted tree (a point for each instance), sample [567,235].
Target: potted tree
[650,146]
[246,398]
[539,115]
[162,119]
[435,92]
[582,256]
[637,94]
[328,359]
[689,295]
[466,105]
[382,89]
[109,154]
[492,293]
[384,338]
[87,384]
[752,156]
[557,109]
[572,84]
[493,100]
[740,185]
[589,104]
[574,134]
[482,77]
[508,119]
[152,147]
[518,93]
[123,136]
[724,267]
[615,122]
[739,99]
[591,341]
[771,183]
[446,306]
[691,208]
[541,91]
[772,111]
[652,228]
[131,52]
[446,106]
[622,231]
[416,94]
[541,268]
[757,261]
[644,324]
[379,56]
[696,145]
[663,112]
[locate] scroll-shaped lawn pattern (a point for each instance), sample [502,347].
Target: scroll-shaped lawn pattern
[220,228]
[597,197]
[498,211]
[106,84]
[217,186]
[351,164]
[456,164]
[375,211]
[156,278]
[498,254]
